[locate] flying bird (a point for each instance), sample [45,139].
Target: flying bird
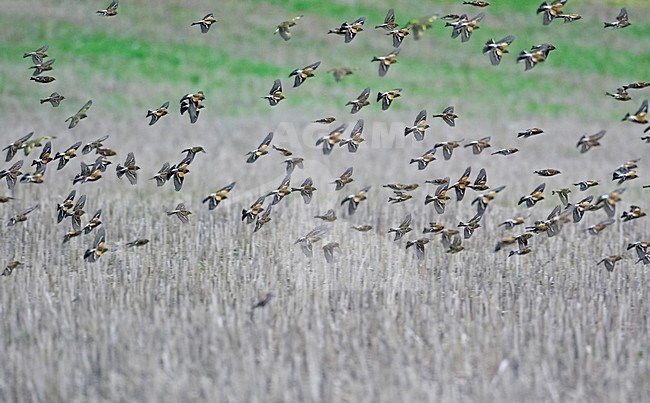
[448,116]
[54,99]
[130,169]
[19,144]
[344,179]
[514,221]
[284,28]
[11,175]
[569,17]
[38,55]
[534,197]
[261,150]
[622,20]
[547,172]
[476,3]
[339,72]
[424,160]
[463,183]
[439,199]
[300,75]
[388,97]
[479,145]
[403,229]
[110,11]
[349,31]
[610,262]
[306,190]
[587,142]
[82,114]
[21,217]
[98,247]
[45,156]
[213,199]
[596,229]
[254,210]
[275,94]
[633,213]
[163,174]
[386,61]
[306,242]
[464,26]
[530,132]
[470,226]
[262,219]
[329,249]
[419,126]
[283,190]
[94,145]
[329,141]
[329,216]
[448,148]
[292,163]
[419,25]
[39,68]
[94,222]
[353,200]
[506,151]
[192,104]
[360,102]
[157,113]
[641,115]
[497,49]
[206,22]
[42,79]
[137,242]
[399,197]
[192,152]
[419,246]
[537,54]
[584,185]
[356,137]
[639,85]
[550,11]
[389,21]
[621,94]
[181,212]
[284,151]
[398,35]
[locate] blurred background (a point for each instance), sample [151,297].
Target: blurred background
[150,54]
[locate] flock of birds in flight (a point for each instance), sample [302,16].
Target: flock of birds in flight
[259,212]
